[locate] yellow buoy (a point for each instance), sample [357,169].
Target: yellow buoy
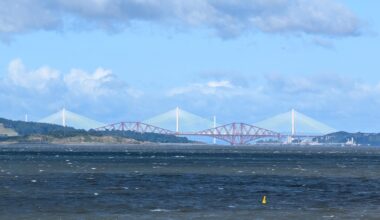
[264,200]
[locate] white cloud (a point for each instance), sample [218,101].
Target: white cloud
[228,18]
[45,88]
[221,84]
[340,101]
[40,79]
[217,88]
[101,83]
[27,15]
[310,16]
[83,83]
[313,92]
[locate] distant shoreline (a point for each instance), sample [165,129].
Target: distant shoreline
[77,140]
[183,147]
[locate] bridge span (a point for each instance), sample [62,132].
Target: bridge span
[233,133]
[291,124]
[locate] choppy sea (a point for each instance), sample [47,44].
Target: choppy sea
[189,182]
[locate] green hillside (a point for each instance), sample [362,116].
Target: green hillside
[7,132]
[26,129]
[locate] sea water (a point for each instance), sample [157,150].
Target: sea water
[188,182]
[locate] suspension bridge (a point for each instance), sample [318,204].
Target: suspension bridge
[182,123]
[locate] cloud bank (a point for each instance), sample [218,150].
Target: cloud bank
[342,102]
[315,90]
[45,90]
[227,18]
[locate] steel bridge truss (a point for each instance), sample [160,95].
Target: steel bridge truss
[135,126]
[234,133]
[239,133]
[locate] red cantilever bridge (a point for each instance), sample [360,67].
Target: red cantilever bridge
[233,133]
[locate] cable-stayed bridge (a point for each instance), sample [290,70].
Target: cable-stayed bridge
[181,120]
[182,123]
[71,119]
[296,124]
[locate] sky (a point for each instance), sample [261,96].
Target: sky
[241,60]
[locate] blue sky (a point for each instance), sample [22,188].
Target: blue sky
[115,60]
